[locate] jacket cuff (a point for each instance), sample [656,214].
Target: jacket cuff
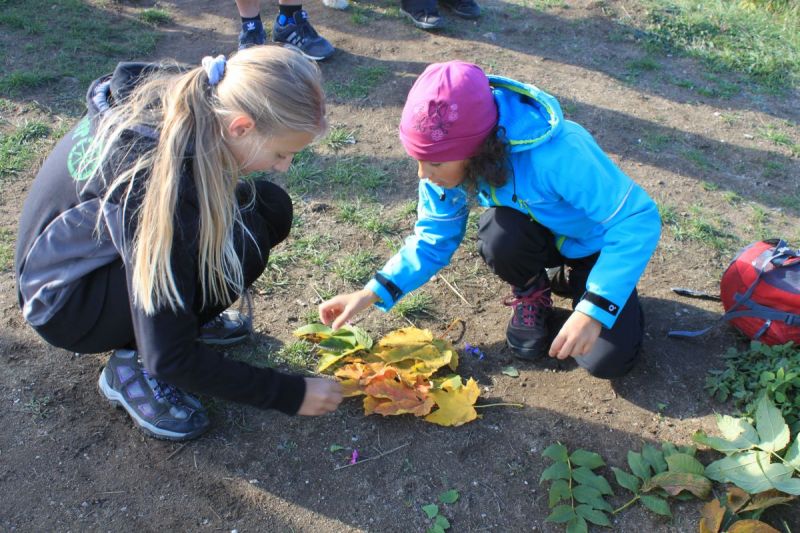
[588,308]
[290,394]
[385,301]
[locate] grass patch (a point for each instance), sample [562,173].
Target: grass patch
[76,39]
[699,158]
[779,138]
[645,64]
[355,268]
[732,197]
[414,305]
[155,16]
[339,137]
[372,218]
[655,142]
[297,355]
[355,173]
[7,240]
[698,227]
[761,44]
[362,80]
[19,148]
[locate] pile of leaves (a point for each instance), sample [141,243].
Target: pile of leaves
[396,374]
[739,512]
[761,369]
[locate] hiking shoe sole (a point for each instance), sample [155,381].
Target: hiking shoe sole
[528,354]
[423,25]
[117,400]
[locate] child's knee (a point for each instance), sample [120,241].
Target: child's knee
[613,363]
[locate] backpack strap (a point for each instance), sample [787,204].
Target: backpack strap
[777,259]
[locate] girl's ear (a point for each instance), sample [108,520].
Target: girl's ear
[240,126]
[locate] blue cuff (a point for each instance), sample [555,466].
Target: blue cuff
[589,309]
[385,302]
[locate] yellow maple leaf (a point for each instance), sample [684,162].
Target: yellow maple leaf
[351,387]
[455,403]
[406,337]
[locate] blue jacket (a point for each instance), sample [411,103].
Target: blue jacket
[564,181]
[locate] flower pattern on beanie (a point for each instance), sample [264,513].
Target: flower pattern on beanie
[435,118]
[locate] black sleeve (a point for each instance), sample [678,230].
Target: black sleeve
[167,342]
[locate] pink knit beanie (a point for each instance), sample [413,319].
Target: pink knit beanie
[448,113]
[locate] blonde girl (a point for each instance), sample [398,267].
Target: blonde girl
[137,232]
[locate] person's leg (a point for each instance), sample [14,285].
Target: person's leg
[619,348]
[252,32]
[518,250]
[293,28]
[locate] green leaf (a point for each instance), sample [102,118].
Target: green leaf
[638,465]
[585,493]
[577,525]
[722,469]
[320,330]
[435,529]
[629,481]
[593,515]
[750,471]
[654,457]
[559,490]
[676,482]
[789,486]
[450,496]
[737,431]
[335,448]
[561,514]
[585,476]
[656,504]
[771,427]
[556,452]
[329,359]
[361,336]
[555,471]
[682,462]
[430,510]
[442,522]
[792,456]
[722,445]
[585,458]
[510,371]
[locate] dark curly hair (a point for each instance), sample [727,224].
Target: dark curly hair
[491,161]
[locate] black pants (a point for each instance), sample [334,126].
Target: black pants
[97,316]
[518,250]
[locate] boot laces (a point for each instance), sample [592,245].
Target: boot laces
[529,308]
[164,391]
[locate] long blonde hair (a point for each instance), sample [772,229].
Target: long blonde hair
[277,87]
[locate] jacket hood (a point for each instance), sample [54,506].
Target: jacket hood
[529,115]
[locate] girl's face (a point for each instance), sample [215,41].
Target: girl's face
[255,153]
[446,175]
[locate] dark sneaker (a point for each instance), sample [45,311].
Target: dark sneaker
[299,33]
[159,409]
[252,34]
[527,333]
[467,9]
[229,327]
[423,13]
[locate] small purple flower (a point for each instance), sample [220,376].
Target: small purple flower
[467,347]
[354,457]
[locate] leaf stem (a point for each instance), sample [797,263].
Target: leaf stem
[626,505]
[498,405]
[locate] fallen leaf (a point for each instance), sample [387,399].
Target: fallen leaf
[511,371]
[455,406]
[712,515]
[751,526]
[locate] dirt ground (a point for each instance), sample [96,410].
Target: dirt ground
[69,462]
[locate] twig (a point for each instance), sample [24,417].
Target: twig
[216,513]
[321,299]
[114,492]
[499,404]
[372,458]
[176,452]
[496,497]
[455,290]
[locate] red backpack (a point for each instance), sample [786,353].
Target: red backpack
[760,291]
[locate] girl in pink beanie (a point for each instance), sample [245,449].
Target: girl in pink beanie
[560,215]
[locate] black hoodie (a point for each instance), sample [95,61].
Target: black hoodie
[60,243]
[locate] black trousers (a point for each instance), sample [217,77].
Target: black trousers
[97,316]
[519,249]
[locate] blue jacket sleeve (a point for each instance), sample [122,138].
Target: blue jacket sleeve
[631,226]
[441,223]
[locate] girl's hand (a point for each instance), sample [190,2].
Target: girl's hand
[339,309]
[577,336]
[322,396]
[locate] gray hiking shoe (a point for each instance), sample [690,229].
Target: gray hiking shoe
[527,333]
[159,409]
[300,34]
[229,327]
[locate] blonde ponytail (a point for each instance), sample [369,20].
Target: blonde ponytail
[277,87]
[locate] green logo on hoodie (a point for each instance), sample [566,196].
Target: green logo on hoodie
[84,157]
